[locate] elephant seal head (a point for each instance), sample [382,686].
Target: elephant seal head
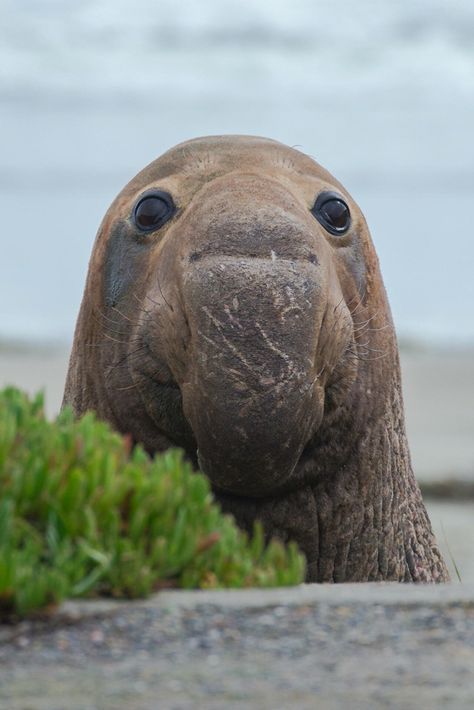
[234,307]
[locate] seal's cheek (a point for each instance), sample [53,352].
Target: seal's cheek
[125,262]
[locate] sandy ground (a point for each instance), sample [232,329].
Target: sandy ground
[453,524]
[439,405]
[35,370]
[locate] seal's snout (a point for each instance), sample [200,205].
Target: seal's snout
[251,394]
[254,294]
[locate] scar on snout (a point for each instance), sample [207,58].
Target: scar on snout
[272,345]
[216,322]
[234,321]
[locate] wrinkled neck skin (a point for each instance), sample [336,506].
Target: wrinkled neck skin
[358,515]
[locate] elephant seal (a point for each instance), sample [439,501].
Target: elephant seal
[234,307]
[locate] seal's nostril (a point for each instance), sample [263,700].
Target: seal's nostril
[313,259]
[195,256]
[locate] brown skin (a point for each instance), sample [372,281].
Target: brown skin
[246,333]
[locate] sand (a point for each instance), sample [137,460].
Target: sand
[439,396]
[33,370]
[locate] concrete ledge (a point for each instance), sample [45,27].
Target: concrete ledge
[391,594]
[314,594]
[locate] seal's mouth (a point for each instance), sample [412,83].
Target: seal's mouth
[238,482]
[250,448]
[250,453]
[249,465]
[281,484]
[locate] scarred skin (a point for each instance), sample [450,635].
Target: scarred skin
[245,333]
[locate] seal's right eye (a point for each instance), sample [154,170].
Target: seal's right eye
[153,210]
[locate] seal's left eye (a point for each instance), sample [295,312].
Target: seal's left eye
[153,210]
[332,212]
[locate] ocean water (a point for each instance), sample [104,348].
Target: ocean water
[382,94]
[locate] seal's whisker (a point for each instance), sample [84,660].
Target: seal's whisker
[140,304]
[123,315]
[163,295]
[98,346]
[378,357]
[358,296]
[363,324]
[376,350]
[118,323]
[103,344]
[157,314]
[105,325]
[316,378]
[360,304]
[106,317]
[365,328]
[363,356]
[152,300]
[126,359]
[388,326]
[128,387]
[116,340]
[377,330]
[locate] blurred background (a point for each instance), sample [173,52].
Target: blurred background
[381,94]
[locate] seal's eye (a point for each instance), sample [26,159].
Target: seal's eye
[332,212]
[153,210]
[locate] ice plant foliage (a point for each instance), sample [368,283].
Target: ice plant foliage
[83,515]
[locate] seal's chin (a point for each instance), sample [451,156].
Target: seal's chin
[253,447]
[250,482]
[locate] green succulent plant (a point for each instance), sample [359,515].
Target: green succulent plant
[81,514]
